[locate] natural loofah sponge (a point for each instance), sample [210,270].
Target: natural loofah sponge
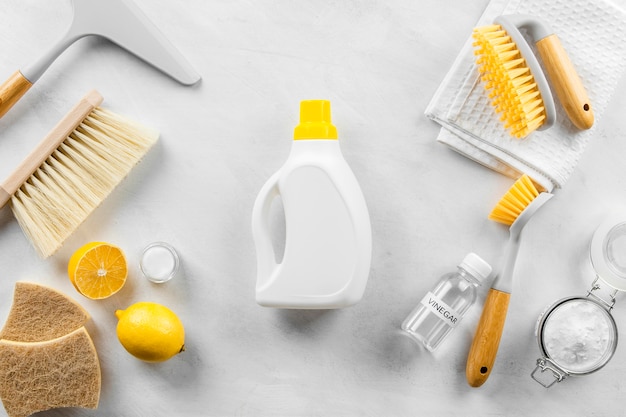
[63,372]
[40,313]
[47,359]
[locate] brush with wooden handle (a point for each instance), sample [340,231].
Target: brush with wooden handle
[515,209]
[70,172]
[518,88]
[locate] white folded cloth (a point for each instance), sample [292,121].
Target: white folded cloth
[593,33]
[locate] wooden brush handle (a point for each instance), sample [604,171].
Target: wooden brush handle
[566,82]
[484,347]
[12,90]
[48,145]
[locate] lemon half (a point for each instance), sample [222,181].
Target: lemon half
[98,270]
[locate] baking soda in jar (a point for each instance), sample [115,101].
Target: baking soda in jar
[159,262]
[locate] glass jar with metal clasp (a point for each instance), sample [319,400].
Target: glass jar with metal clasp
[578,335]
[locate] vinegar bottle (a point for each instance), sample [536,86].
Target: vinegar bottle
[328,240]
[442,308]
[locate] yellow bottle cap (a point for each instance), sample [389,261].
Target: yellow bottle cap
[315,121]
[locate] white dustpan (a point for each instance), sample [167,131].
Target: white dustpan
[119,21]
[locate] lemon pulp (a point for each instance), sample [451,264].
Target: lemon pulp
[98,270]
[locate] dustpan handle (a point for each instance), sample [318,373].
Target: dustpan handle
[20,82]
[12,90]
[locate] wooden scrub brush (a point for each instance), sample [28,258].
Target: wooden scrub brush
[515,209]
[518,88]
[72,171]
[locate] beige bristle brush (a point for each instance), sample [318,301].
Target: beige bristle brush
[515,209]
[72,171]
[515,80]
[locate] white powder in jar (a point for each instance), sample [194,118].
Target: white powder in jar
[579,335]
[159,262]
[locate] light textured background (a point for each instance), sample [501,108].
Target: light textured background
[379,63]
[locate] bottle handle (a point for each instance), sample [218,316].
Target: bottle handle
[266,258]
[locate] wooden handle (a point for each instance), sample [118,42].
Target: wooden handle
[566,82]
[484,347]
[12,90]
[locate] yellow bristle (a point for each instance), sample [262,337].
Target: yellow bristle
[520,197]
[508,80]
[527,90]
[511,205]
[77,176]
[513,63]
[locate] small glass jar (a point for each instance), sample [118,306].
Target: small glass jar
[578,335]
[159,262]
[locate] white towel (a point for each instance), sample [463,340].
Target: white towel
[593,33]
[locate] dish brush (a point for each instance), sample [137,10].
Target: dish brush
[518,88]
[515,209]
[72,171]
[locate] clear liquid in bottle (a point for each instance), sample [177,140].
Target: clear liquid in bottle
[442,308]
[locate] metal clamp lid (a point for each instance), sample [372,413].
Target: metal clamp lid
[593,293]
[543,365]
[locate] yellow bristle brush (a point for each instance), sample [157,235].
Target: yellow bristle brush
[72,171]
[515,209]
[518,88]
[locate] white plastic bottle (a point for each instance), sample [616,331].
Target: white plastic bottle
[328,240]
[442,308]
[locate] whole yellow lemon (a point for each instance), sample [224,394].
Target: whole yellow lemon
[150,331]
